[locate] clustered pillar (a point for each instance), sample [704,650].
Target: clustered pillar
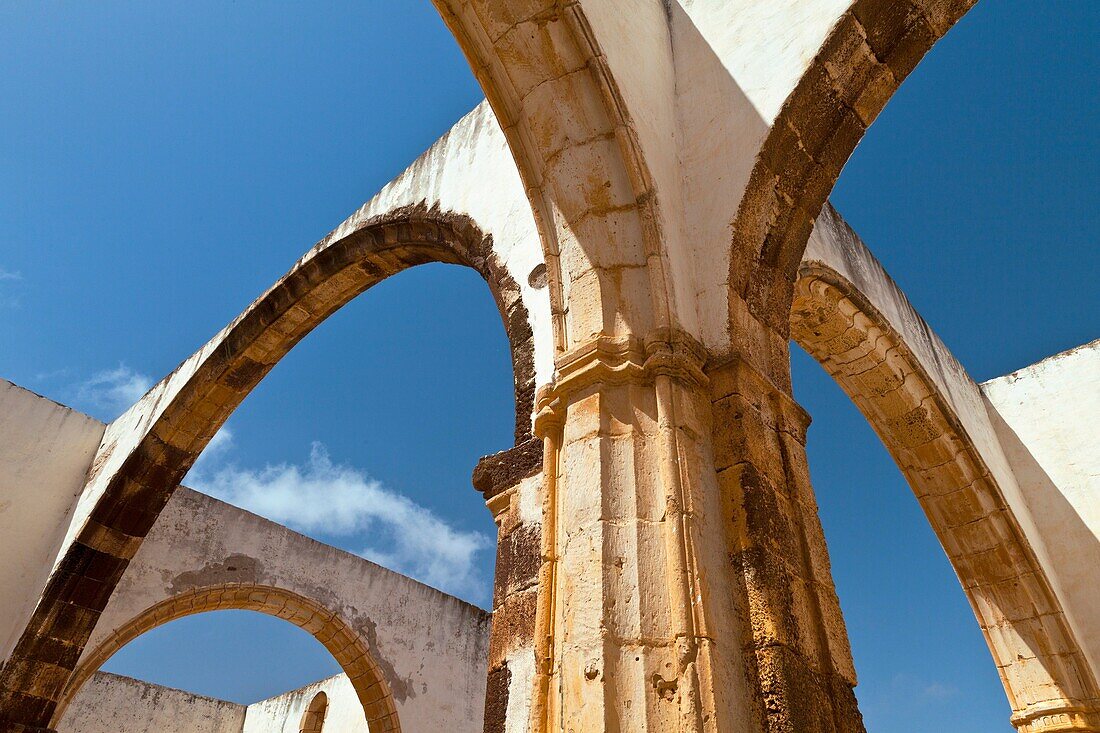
[796,642]
[666,569]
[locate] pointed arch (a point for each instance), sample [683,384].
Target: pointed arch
[953,474]
[147,452]
[872,48]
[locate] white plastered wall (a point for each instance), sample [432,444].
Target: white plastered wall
[45,452]
[111,703]
[765,47]
[737,61]
[283,713]
[702,82]
[432,647]
[1047,417]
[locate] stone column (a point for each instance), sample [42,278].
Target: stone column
[683,582]
[512,483]
[636,627]
[796,640]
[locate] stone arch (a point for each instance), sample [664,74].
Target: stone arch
[313,719]
[348,647]
[147,452]
[561,108]
[872,48]
[562,111]
[1041,665]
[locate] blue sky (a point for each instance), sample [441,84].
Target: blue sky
[163,165]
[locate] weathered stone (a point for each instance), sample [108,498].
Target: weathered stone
[646,202]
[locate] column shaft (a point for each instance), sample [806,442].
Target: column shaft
[797,639]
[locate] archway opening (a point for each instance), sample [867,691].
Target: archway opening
[364,680]
[365,434]
[244,656]
[952,188]
[426,535]
[919,653]
[313,719]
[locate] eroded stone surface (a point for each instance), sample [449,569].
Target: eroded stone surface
[645,194]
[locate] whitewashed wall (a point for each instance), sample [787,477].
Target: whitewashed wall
[1047,417]
[45,452]
[110,703]
[283,713]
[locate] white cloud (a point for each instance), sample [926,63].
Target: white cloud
[320,496]
[52,375]
[112,390]
[912,686]
[940,691]
[9,301]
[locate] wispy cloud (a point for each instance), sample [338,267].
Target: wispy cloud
[323,497]
[914,687]
[52,375]
[7,300]
[891,702]
[112,391]
[939,691]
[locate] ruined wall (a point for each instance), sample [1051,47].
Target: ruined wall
[635,184]
[283,713]
[45,452]
[110,703]
[1047,417]
[431,648]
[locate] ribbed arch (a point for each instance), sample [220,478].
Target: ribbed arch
[1039,660]
[872,48]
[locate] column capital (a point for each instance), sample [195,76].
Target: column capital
[627,359]
[1057,717]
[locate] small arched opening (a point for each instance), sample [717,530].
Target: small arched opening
[313,719]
